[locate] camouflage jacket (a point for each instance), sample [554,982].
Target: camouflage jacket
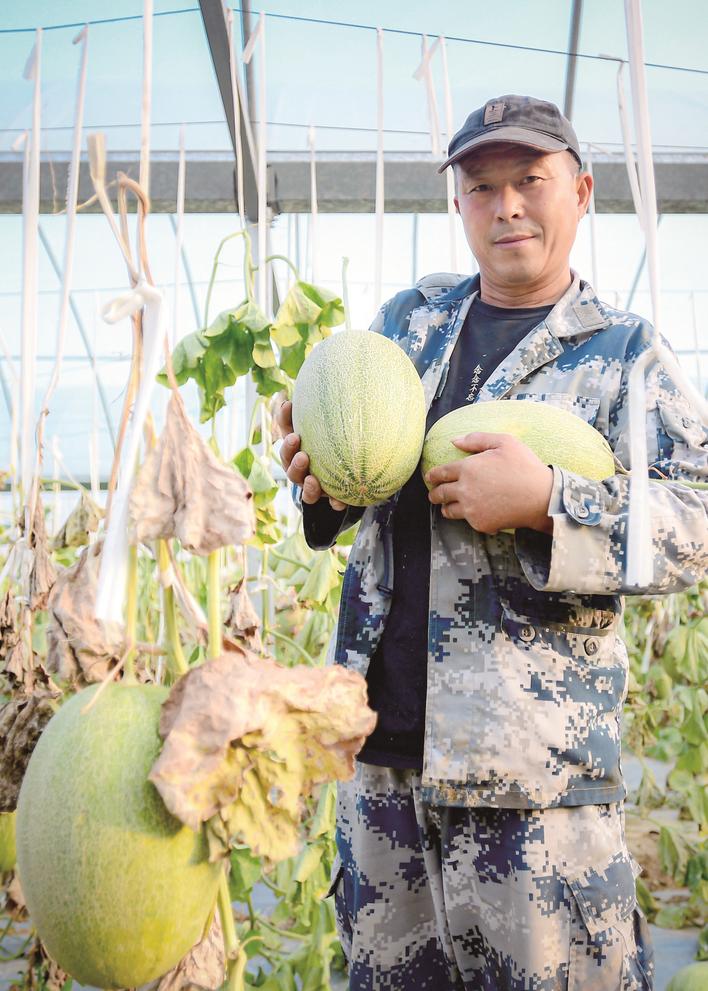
[527,673]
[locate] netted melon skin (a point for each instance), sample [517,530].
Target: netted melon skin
[118,889]
[359,408]
[553,434]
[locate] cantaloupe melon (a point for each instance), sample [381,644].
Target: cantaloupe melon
[359,408]
[553,434]
[7,841]
[118,889]
[693,977]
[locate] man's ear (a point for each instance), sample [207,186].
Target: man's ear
[585,184]
[457,204]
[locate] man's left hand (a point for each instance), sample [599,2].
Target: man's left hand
[502,486]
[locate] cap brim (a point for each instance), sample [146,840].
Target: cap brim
[512,135]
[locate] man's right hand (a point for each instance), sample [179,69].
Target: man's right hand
[296,463]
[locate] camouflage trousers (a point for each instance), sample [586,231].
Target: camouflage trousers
[455,899]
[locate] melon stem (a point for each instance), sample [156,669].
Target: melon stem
[231,945]
[178,661]
[131,613]
[214,604]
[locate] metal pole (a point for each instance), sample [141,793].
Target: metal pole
[572,59]
[84,336]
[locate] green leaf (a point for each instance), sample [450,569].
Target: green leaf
[185,358]
[324,576]
[671,917]
[244,461]
[269,381]
[702,952]
[291,358]
[245,872]
[646,900]
[331,306]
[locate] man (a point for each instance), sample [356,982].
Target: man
[482,839]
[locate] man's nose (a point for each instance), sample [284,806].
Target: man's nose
[510,202]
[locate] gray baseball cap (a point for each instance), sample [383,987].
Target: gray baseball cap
[519,120]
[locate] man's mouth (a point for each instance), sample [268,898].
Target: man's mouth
[510,239]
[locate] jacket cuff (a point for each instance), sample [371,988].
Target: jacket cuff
[568,559]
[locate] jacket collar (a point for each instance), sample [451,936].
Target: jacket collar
[576,312]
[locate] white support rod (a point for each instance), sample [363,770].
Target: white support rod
[593,226]
[236,101]
[146,97]
[424,73]
[627,143]
[313,204]
[30,218]
[449,173]
[72,192]
[174,331]
[379,209]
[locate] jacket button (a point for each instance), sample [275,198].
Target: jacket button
[527,633]
[592,645]
[581,511]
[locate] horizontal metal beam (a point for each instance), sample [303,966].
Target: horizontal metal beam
[345,183]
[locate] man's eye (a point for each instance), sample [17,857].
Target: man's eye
[483,187]
[530,179]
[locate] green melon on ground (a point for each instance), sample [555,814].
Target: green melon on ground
[118,889]
[7,841]
[359,408]
[553,434]
[694,977]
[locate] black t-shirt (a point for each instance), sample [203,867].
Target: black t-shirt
[397,675]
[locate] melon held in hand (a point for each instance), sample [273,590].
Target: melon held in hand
[118,889]
[359,408]
[554,435]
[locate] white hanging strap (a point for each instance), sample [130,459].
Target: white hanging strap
[112,578]
[313,203]
[424,72]
[628,152]
[593,228]
[174,334]
[94,443]
[30,284]
[259,35]
[379,205]
[146,97]
[449,173]
[236,103]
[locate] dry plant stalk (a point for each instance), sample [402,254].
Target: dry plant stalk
[184,491]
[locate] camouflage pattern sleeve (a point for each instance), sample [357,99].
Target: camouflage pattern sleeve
[587,552]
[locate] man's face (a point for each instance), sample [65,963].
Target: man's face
[520,209]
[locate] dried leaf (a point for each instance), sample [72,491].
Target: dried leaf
[14,903]
[184,491]
[242,620]
[9,624]
[246,739]
[22,720]
[83,520]
[202,969]
[42,573]
[81,648]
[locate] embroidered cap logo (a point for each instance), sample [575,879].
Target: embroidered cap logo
[493,112]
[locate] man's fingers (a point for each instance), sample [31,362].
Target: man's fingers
[288,449]
[477,442]
[336,504]
[299,468]
[453,511]
[311,490]
[284,418]
[445,493]
[444,473]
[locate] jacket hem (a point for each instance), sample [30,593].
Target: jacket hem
[466,796]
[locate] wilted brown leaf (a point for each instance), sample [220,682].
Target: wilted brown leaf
[22,720]
[81,521]
[184,491]
[202,969]
[81,648]
[9,624]
[42,573]
[246,739]
[242,621]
